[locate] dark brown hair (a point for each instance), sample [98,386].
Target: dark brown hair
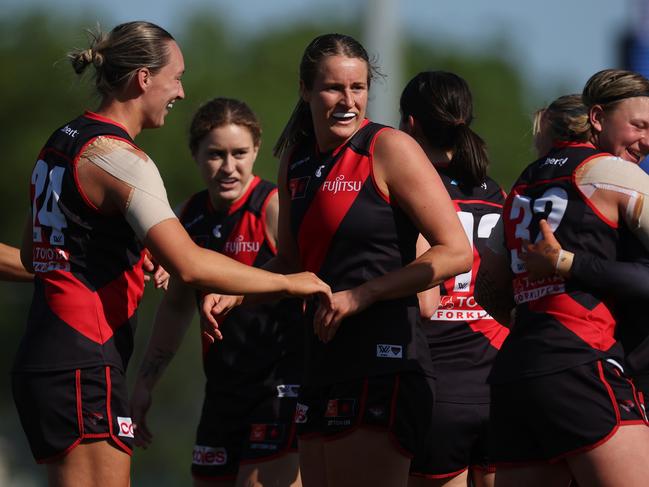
[222,111]
[442,105]
[300,126]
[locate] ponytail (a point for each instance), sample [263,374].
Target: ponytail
[298,128]
[470,161]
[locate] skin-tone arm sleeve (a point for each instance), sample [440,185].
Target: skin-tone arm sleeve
[172,247]
[628,182]
[622,280]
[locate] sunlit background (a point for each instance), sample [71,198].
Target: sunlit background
[516,55]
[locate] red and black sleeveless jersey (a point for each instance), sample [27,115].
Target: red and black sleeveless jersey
[263,343]
[558,324]
[88,266]
[463,339]
[347,232]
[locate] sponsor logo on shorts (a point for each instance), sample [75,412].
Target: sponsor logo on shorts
[318,172]
[209,456]
[340,408]
[300,413]
[125,426]
[389,351]
[272,433]
[288,390]
[216,231]
[94,417]
[376,412]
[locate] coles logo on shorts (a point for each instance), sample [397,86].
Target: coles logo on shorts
[209,456]
[125,426]
[340,408]
[389,351]
[300,412]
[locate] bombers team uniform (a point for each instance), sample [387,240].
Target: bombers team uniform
[628,288]
[558,385]
[68,376]
[252,375]
[375,371]
[463,340]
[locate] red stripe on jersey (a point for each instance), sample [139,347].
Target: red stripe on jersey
[330,204]
[244,197]
[94,314]
[96,116]
[595,327]
[562,144]
[540,182]
[476,202]
[492,330]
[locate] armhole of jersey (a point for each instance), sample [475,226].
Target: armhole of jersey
[573,179]
[384,196]
[75,173]
[182,208]
[269,241]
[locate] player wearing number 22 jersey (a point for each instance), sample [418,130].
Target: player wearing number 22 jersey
[557,383]
[463,340]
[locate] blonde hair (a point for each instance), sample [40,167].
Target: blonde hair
[609,86]
[118,55]
[565,119]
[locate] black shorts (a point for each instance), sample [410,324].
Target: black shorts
[235,430]
[460,441]
[59,410]
[399,404]
[546,418]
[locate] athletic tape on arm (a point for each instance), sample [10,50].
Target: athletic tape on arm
[148,204]
[615,174]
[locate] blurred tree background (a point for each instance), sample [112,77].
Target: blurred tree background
[41,92]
